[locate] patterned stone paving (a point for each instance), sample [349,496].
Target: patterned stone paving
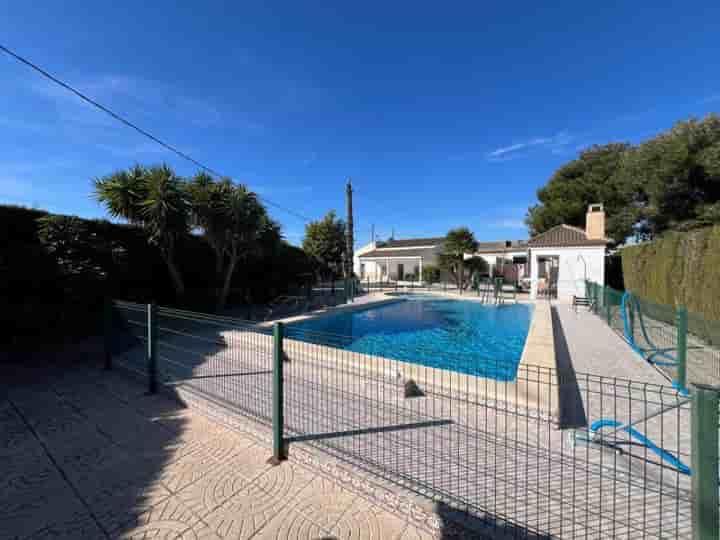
[85,454]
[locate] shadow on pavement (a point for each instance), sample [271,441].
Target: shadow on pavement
[572,410]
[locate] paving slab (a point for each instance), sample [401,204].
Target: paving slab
[86,454]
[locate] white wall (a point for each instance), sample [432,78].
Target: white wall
[571,274]
[356,256]
[377,270]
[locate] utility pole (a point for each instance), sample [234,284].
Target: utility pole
[349,247]
[372,233]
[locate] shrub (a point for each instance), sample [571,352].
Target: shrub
[431,274]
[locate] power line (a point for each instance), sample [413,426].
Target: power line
[135,127]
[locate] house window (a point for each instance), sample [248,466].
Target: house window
[362,270]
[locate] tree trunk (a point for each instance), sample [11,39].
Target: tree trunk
[175,275]
[222,300]
[219,259]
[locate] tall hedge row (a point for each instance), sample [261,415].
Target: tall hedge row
[40,301]
[681,268]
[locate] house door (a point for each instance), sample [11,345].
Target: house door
[401,272]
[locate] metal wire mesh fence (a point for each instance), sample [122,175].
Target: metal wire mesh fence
[498,450]
[222,358]
[126,336]
[534,453]
[683,345]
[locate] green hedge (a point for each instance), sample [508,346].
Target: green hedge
[42,301]
[681,268]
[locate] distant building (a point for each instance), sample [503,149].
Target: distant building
[555,263]
[397,260]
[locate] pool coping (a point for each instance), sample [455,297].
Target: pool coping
[381,300]
[535,385]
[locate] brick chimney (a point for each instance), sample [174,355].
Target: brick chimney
[595,222]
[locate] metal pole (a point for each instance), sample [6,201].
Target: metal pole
[705,463]
[279,453]
[606,299]
[631,315]
[107,331]
[681,319]
[152,347]
[350,245]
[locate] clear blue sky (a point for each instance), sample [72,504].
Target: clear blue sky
[444,114]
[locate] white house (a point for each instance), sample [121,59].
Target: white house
[396,260]
[555,263]
[563,257]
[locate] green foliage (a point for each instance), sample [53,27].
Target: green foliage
[669,182]
[78,251]
[677,173]
[430,273]
[56,270]
[591,178]
[476,267]
[452,259]
[157,200]
[680,268]
[325,242]
[233,222]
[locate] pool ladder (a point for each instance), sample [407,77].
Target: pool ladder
[492,292]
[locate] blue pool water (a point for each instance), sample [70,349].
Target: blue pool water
[459,335]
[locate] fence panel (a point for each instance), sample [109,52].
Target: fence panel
[127,337]
[502,451]
[703,354]
[687,353]
[224,359]
[527,453]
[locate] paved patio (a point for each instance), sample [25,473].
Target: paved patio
[86,454]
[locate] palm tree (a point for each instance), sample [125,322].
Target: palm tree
[457,243]
[157,200]
[208,214]
[233,222]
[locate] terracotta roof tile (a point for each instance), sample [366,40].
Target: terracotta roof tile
[383,252]
[564,236]
[412,242]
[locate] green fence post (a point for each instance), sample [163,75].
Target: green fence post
[681,320]
[152,347]
[608,316]
[279,453]
[107,331]
[705,463]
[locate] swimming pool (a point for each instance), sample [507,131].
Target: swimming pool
[460,335]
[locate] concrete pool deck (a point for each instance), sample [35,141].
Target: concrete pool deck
[536,369]
[594,348]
